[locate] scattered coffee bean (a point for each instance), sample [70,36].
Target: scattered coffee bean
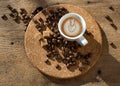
[4,17]
[38,9]
[111,8]
[49,54]
[12,15]
[17,21]
[12,43]
[9,7]
[99,72]
[23,11]
[108,18]
[113,45]
[58,67]
[114,26]
[14,11]
[48,62]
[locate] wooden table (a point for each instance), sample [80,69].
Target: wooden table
[16,69]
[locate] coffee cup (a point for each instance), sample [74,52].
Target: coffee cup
[72,26]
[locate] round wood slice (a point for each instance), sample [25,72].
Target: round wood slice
[37,54]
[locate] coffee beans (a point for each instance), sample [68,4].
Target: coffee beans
[48,62]
[99,72]
[4,17]
[58,67]
[38,9]
[9,7]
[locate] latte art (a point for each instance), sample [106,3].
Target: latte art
[71,27]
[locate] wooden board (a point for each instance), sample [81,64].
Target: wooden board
[15,67]
[38,55]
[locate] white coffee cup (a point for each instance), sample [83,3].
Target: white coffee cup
[79,38]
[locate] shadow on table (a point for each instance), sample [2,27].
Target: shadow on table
[109,66]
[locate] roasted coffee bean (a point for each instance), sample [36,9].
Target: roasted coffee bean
[65,61]
[48,62]
[65,54]
[23,16]
[58,67]
[58,41]
[113,45]
[73,49]
[40,29]
[59,58]
[66,50]
[51,11]
[12,43]
[69,52]
[38,9]
[49,54]
[89,54]
[27,17]
[38,26]
[23,11]
[66,42]
[45,12]
[71,56]
[41,20]
[74,63]
[78,56]
[9,7]
[35,21]
[14,11]
[41,39]
[85,62]
[111,8]
[49,41]
[31,16]
[60,38]
[53,51]
[53,40]
[26,24]
[25,21]
[68,66]
[68,58]
[4,17]
[17,21]
[12,15]
[54,24]
[99,72]
[73,59]
[52,46]
[55,35]
[56,30]
[82,69]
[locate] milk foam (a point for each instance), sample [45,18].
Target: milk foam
[72,27]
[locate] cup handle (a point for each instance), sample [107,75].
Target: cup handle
[82,41]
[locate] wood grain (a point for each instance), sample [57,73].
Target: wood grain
[15,68]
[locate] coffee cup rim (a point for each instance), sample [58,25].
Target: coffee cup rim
[75,15]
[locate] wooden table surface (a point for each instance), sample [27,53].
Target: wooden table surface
[16,69]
